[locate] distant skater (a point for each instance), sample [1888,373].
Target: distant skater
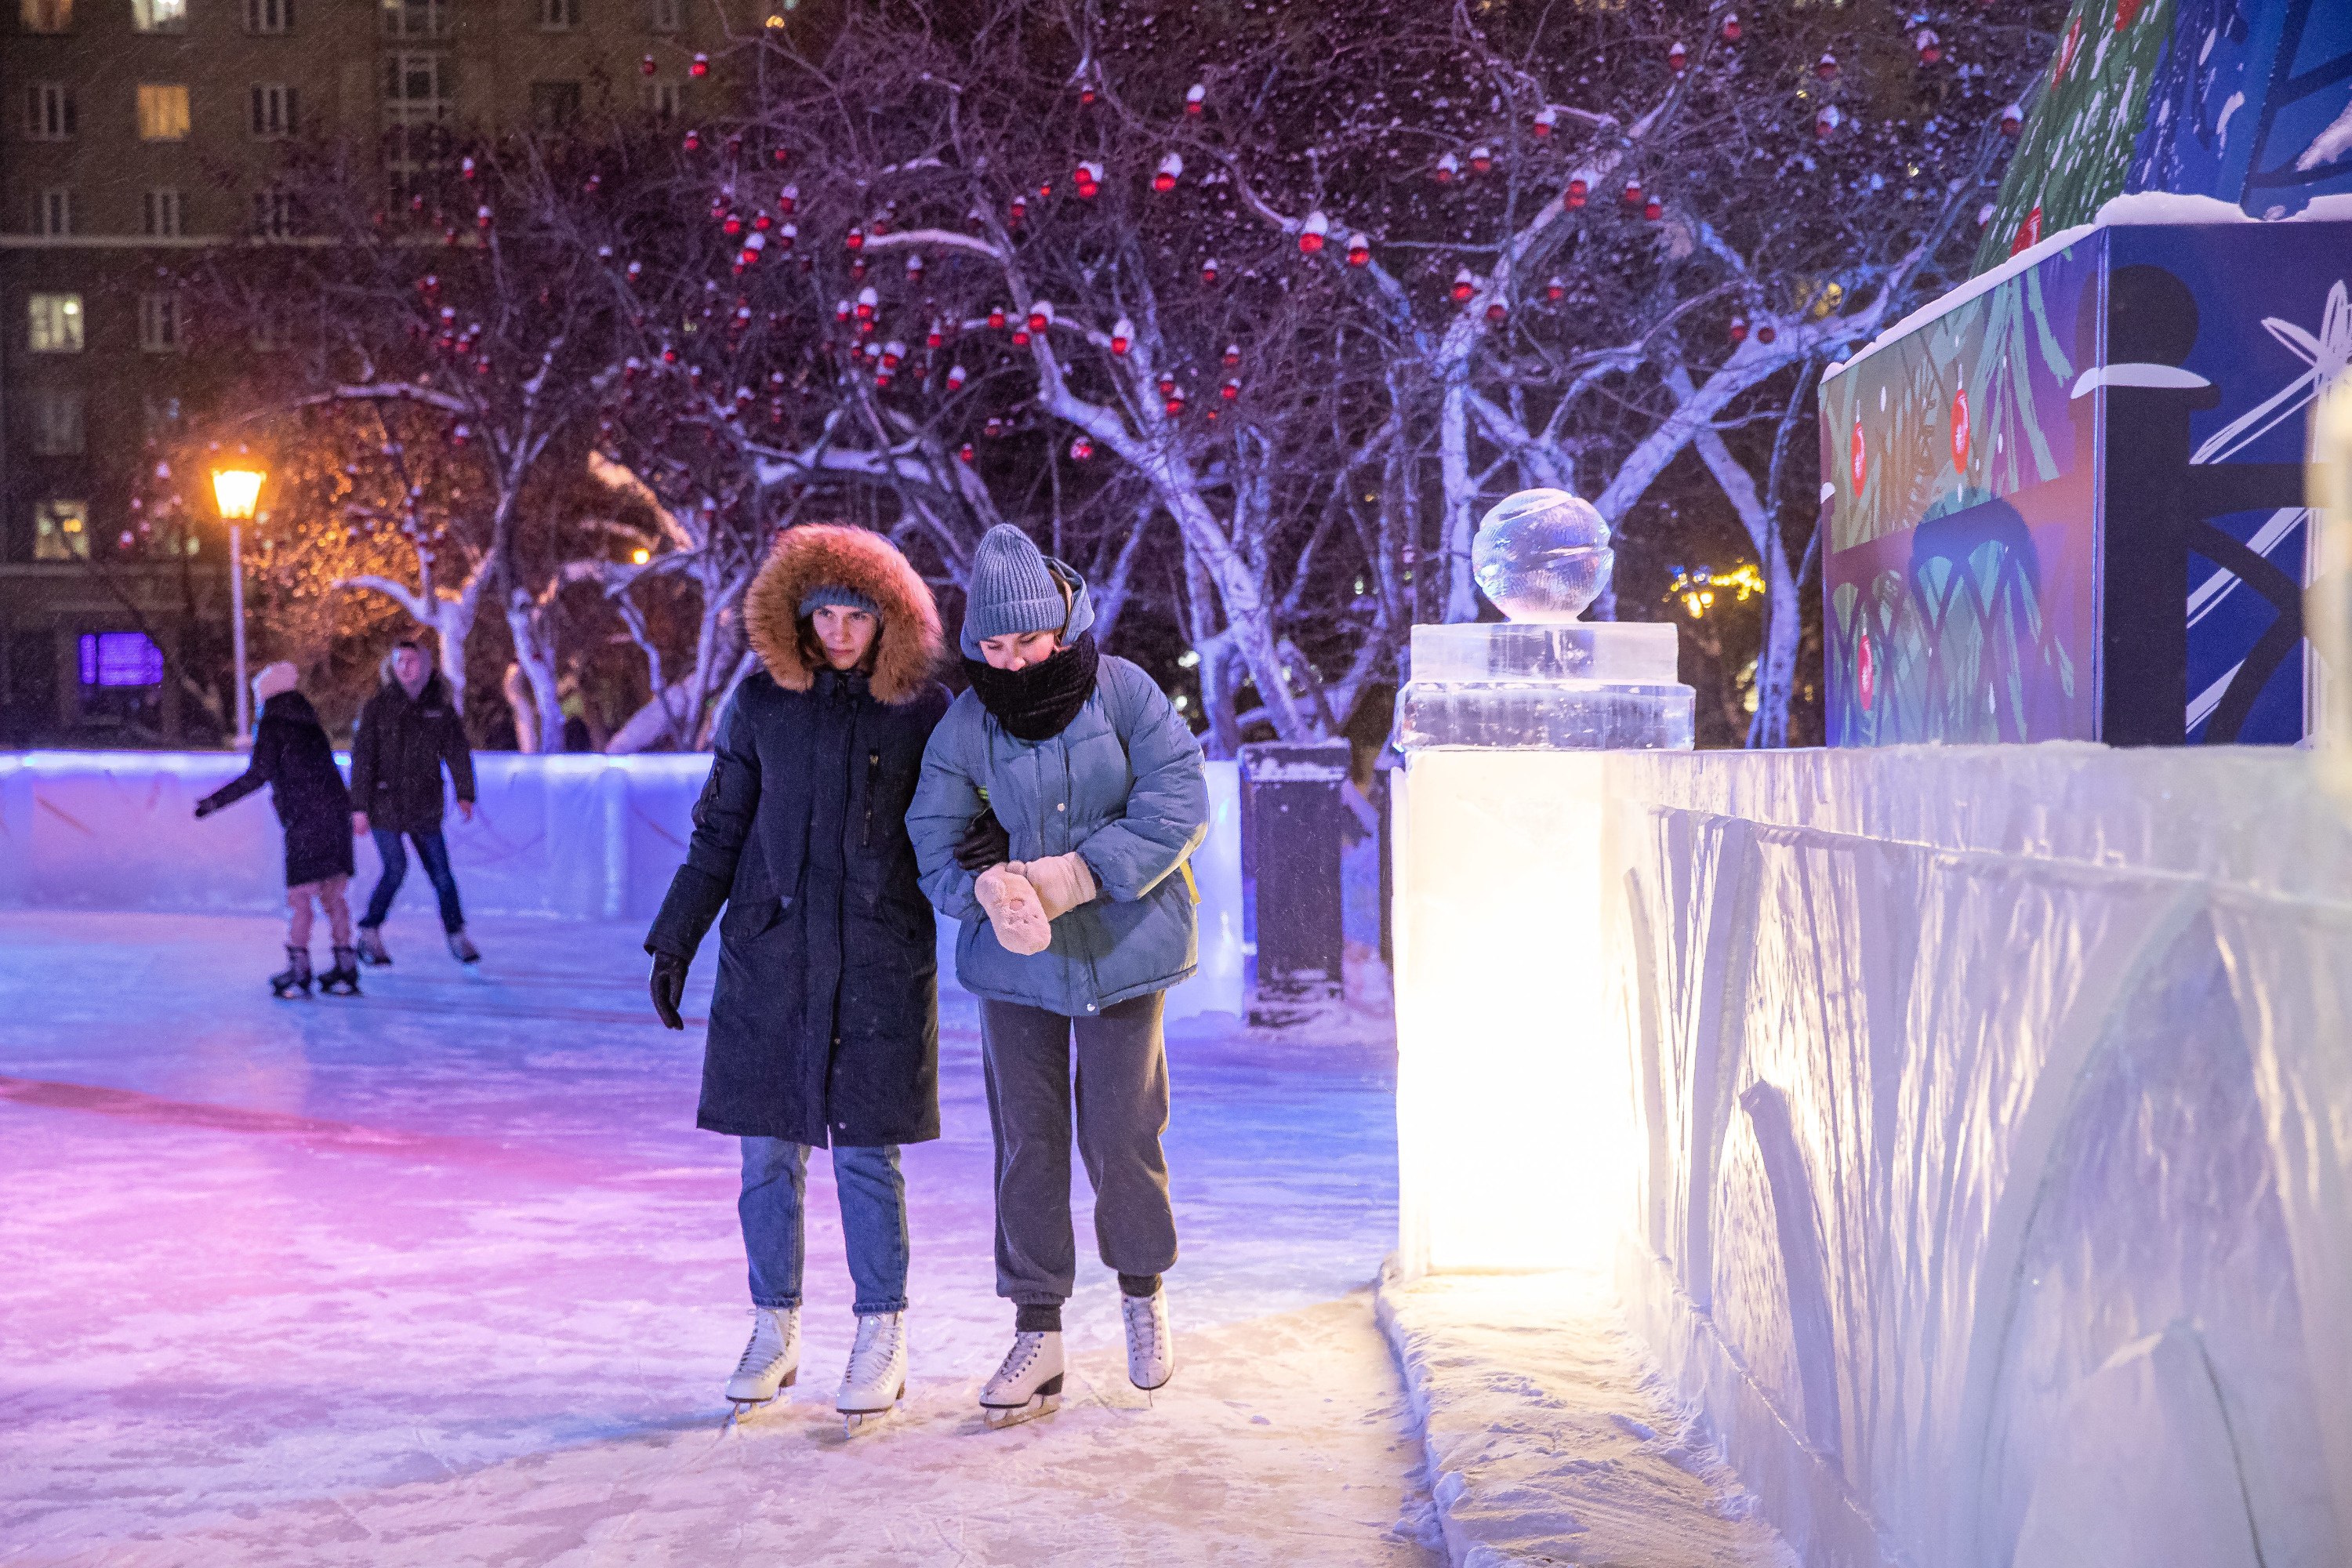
[824,1022]
[290,754]
[1062,796]
[408,732]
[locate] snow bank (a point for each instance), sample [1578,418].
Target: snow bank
[1559,1445]
[566,837]
[1995,1119]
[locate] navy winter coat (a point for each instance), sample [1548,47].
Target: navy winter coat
[824,1022]
[1124,786]
[290,754]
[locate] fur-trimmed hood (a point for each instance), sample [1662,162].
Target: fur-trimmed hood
[910,645]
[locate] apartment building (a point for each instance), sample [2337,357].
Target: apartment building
[134,131]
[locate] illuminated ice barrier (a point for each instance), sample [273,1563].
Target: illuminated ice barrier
[1512,1139]
[569,838]
[1993,1115]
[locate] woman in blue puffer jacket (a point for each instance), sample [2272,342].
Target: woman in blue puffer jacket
[1063,787]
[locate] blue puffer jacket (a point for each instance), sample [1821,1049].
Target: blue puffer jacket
[1122,785]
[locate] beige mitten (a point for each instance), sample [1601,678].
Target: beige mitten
[1063,882]
[1013,910]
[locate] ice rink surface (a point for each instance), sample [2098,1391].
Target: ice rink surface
[444,1274]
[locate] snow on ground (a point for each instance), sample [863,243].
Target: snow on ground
[1551,1438]
[445,1275]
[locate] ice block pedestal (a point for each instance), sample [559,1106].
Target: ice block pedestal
[1514,1116]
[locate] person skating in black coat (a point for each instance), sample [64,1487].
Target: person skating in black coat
[408,733]
[291,755]
[824,1022]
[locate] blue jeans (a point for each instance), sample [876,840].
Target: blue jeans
[873,1221]
[435,853]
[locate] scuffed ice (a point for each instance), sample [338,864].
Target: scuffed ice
[445,1275]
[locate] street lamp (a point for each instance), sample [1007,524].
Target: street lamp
[236,490]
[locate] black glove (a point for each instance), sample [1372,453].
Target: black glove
[984,842]
[668,987]
[205,807]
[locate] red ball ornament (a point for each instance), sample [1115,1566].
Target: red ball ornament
[1738,329]
[701,65]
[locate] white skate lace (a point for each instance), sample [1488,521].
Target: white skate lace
[878,1342]
[1025,1345]
[764,1326]
[1142,1326]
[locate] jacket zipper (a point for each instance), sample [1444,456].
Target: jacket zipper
[872,782]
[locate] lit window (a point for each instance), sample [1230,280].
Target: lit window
[159,326]
[47,15]
[52,214]
[665,98]
[159,16]
[61,531]
[559,15]
[412,19]
[57,423]
[269,16]
[273,110]
[120,659]
[669,16]
[162,112]
[49,111]
[164,214]
[56,321]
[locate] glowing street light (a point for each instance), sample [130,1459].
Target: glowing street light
[237,491]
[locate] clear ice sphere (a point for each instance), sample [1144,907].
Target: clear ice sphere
[1542,556]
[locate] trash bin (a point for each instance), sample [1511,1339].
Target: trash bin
[1291,827]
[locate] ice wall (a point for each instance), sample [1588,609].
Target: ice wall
[568,837]
[1995,1109]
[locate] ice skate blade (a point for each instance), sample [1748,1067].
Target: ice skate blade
[853,1419]
[1154,1387]
[999,1417]
[742,1406]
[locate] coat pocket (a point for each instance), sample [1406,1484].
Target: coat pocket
[749,918]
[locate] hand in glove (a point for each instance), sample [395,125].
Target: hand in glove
[669,988]
[1014,910]
[984,842]
[205,807]
[1063,882]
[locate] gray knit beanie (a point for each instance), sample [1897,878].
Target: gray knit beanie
[1013,588]
[825,594]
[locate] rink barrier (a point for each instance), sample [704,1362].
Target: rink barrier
[575,837]
[1992,1125]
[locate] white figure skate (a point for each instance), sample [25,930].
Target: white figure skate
[771,1362]
[876,1377]
[1029,1384]
[1150,1348]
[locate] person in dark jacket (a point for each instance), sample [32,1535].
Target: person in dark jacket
[1062,797]
[408,732]
[825,1019]
[290,754]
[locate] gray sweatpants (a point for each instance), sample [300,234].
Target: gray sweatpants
[1122,1110]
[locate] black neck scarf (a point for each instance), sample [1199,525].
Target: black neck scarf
[1037,703]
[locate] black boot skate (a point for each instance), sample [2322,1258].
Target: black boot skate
[371,950]
[343,980]
[294,976]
